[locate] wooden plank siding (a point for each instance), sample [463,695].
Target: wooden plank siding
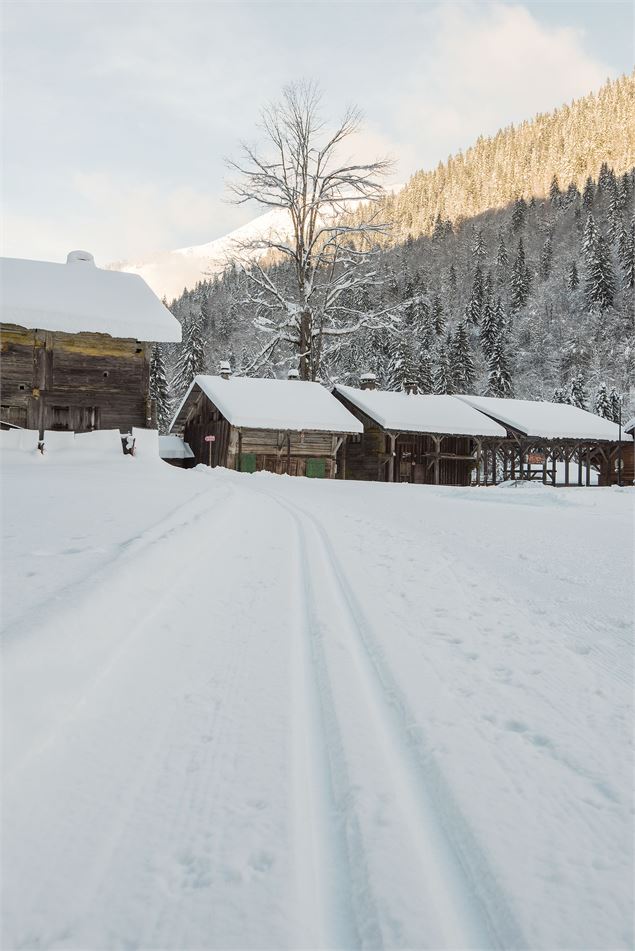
[279,451]
[79,382]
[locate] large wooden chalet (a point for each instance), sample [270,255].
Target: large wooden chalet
[432,439]
[289,427]
[76,345]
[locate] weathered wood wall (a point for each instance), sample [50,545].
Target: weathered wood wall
[78,382]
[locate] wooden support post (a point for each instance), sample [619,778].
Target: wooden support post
[588,466]
[579,465]
[343,457]
[545,457]
[391,460]
[240,450]
[479,453]
[437,448]
[521,461]
[567,457]
[485,466]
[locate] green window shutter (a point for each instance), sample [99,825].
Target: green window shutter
[315,468]
[248,462]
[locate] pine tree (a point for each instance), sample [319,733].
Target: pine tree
[602,403]
[502,258]
[559,395]
[159,389]
[577,395]
[403,370]
[437,315]
[573,278]
[191,359]
[600,282]
[615,402]
[546,258]
[475,303]
[588,194]
[590,237]
[492,325]
[520,282]
[519,214]
[442,376]
[479,250]
[626,255]
[554,191]
[424,373]
[499,381]
[461,362]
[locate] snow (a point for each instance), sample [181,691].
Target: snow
[545,420]
[275,404]
[255,711]
[629,426]
[414,413]
[173,447]
[78,297]
[22,440]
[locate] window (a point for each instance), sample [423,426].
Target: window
[60,417]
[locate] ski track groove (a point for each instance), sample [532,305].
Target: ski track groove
[466,885]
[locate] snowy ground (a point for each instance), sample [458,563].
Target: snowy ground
[260,712]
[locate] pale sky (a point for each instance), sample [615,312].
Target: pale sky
[117,116]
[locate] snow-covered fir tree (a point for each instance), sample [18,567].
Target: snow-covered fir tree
[159,389]
[577,395]
[602,403]
[191,358]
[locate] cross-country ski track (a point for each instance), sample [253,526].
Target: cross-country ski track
[253,723]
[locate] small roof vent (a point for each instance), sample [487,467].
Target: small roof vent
[225,369]
[293,375]
[85,257]
[368,381]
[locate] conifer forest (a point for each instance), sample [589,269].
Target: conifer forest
[508,270]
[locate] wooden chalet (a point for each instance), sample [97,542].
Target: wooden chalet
[76,345]
[289,427]
[553,443]
[409,437]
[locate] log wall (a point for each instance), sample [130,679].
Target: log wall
[78,382]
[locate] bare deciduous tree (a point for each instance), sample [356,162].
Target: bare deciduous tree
[306,306]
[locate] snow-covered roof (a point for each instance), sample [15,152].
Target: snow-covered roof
[78,297]
[173,447]
[545,420]
[275,404]
[629,426]
[411,413]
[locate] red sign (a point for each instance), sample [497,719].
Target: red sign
[210,439]
[535,458]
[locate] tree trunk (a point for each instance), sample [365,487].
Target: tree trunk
[305,345]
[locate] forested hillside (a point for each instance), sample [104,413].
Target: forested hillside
[514,276]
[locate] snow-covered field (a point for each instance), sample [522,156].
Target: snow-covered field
[260,712]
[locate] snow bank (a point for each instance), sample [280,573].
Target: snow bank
[545,420]
[275,404]
[78,297]
[410,413]
[288,713]
[146,444]
[23,440]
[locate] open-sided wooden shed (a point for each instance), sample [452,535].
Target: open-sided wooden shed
[409,437]
[554,443]
[76,344]
[285,426]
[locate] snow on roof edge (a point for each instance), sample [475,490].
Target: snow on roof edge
[335,417]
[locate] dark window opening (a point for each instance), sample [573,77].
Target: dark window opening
[106,374]
[22,386]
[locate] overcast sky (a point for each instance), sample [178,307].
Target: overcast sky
[116,116]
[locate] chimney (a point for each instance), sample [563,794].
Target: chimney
[84,257]
[225,370]
[368,381]
[293,375]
